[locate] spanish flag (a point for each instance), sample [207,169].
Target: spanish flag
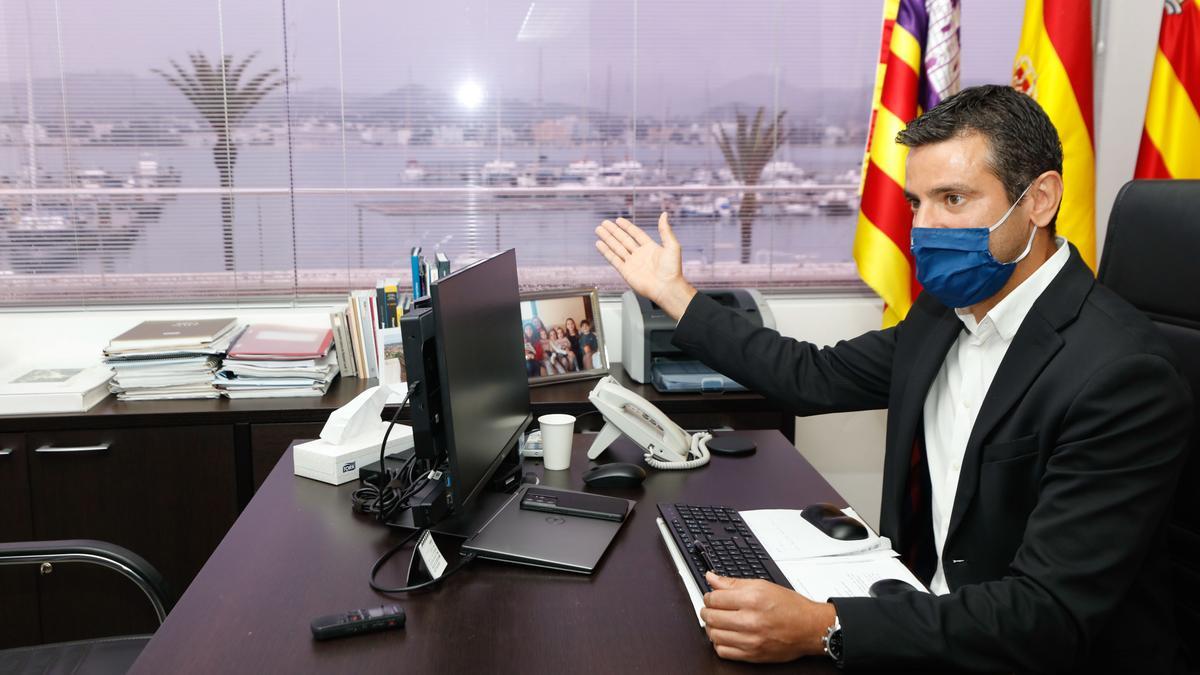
[918,67]
[1172,133]
[1054,66]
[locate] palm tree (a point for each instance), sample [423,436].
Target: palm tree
[223,101]
[747,154]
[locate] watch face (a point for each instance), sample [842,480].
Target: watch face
[835,645]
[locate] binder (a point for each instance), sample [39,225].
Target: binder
[418,265]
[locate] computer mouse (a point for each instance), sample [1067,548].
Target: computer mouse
[615,475]
[830,520]
[889,587]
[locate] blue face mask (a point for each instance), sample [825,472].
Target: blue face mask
[956,265]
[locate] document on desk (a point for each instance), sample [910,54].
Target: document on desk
[843,576]
[786,535]
[820,567]
[816,565]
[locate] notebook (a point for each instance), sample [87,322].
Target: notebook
[167,334]
[270,342]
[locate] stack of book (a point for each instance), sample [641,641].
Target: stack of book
[158,360]
[270,361]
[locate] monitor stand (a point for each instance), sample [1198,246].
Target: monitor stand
[464,523]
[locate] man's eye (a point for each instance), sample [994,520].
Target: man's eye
[912,206]
[954,200]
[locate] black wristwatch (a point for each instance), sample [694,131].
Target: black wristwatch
[833,642]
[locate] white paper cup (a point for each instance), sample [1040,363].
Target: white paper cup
[557,431]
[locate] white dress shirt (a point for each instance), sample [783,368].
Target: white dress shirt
[953,401]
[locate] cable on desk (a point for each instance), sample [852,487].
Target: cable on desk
[394,486]
[369,499]
[383,474]
[462,562]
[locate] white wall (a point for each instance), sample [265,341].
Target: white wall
[1126,40]
[75,337]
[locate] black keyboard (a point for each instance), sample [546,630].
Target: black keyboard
[716,538]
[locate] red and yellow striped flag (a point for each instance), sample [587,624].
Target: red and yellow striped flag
[918,67]
[1172,133]
[1054,66]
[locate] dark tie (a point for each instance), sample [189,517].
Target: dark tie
[919,554]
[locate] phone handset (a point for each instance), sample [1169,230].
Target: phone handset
[667,445]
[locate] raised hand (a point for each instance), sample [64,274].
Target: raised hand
[651,269]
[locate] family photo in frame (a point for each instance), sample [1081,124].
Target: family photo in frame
[562,335]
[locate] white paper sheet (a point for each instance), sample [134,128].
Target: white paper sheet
[816,565]
[852,576]
[786,535]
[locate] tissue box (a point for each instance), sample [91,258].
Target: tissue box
[339,463]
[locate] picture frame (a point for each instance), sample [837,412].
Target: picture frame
[552,353]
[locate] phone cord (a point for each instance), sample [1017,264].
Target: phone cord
[698,453]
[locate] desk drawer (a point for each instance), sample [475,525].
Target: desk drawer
[19,624]
[166,493]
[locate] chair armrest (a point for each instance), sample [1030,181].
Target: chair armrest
[102,553]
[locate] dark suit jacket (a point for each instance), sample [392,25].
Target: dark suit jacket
[1055,554]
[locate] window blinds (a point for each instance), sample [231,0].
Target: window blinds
[171,150]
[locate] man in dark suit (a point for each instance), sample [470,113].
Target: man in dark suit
[1036,425]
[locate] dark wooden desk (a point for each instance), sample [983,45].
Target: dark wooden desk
[297,552]
[216,453]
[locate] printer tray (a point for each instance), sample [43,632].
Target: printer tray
[670,376]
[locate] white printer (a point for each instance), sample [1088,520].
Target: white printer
[649,356]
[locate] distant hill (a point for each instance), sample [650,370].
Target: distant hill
[835,106]
[115,96]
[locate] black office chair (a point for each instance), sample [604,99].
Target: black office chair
[102,655]
[1150,259]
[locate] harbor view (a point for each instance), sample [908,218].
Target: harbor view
[313,174]
[121,207]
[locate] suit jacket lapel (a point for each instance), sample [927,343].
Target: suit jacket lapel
[925,367]
[1036,342]
[934,327]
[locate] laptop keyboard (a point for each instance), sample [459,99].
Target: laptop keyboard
[716,538]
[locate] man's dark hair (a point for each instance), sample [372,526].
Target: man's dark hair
[1022,141]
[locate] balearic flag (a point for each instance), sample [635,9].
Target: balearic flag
[918,67]
[1054,67]
[1171,137]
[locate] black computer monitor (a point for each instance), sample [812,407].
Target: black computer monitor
[464,344]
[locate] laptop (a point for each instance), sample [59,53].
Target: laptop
[547,540]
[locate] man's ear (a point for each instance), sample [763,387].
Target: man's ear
[1047,194]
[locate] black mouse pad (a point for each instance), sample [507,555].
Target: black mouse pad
[731,444]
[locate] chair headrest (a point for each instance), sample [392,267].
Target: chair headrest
[1152,250]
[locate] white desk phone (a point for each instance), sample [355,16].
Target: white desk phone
[666,444]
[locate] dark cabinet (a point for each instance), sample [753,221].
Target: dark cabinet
[18,584]
[166,493]
[268,442]
[164,479]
